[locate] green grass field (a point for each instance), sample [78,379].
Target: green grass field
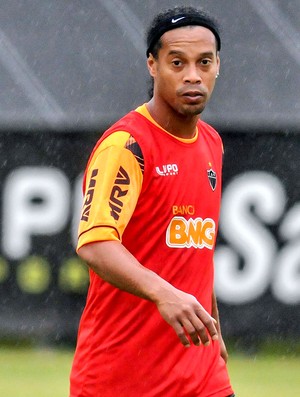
[265,376]
[37,372]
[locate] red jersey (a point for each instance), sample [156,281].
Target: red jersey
[161,197]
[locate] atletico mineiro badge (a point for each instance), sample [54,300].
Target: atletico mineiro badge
[212,178]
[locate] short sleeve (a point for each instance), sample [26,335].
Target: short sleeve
[113,183]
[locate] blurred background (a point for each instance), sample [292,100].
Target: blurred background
[71,68]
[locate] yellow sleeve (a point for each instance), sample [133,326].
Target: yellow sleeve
[113,184]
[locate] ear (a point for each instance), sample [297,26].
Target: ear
[218,63]
[152,65]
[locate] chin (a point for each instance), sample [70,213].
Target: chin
[192,111]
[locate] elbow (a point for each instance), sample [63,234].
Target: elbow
[88,256]
[84,253]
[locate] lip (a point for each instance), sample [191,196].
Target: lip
[193,96]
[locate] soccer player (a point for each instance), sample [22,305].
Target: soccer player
[150,327]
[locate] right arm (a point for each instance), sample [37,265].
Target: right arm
[114,264]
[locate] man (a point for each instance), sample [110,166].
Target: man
[148,229]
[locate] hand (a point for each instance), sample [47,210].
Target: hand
[188,318]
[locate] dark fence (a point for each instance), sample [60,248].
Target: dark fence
[43,283]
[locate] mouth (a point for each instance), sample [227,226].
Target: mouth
[193,96]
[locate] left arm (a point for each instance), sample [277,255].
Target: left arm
[215,315]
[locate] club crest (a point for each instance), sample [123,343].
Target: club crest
[212,178]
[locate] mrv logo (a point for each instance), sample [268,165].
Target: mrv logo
[168,169]
[117,193]
[89,197]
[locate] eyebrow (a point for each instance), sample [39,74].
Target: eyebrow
[203,54]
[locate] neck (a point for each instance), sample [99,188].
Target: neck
[181,126]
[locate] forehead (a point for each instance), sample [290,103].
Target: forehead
[188,36]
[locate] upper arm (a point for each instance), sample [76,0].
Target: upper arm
[113,184]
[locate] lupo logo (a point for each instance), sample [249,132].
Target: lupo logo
[167,169]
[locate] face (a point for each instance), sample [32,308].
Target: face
[185,70]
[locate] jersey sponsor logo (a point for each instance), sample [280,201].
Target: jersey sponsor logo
[167,169]
[89,197]
[183,209]
[212,178]
[187,233]
[118,193]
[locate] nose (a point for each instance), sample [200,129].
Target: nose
[192,75]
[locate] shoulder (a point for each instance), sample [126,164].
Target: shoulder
[202,125]
[211,134]
[117,134]
[128,123]
[209,130]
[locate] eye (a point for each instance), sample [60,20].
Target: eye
[206,61]
[177,62]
